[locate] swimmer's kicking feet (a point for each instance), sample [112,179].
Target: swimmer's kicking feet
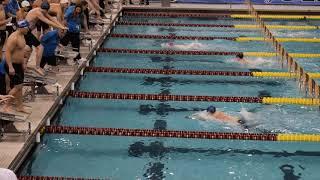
[191,46]
[211,114]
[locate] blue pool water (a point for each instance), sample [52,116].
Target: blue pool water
[164,158]
[188,31]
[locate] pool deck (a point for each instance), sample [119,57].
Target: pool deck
[13,148]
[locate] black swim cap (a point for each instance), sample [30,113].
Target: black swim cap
[211,109]
[240,55]
[45,5]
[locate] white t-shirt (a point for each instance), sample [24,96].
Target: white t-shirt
[7,174]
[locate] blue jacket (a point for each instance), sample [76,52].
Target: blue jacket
[73,23]
[50,41]
[12,7]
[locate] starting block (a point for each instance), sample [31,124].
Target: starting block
[7,126]
[34,85]
[65,57]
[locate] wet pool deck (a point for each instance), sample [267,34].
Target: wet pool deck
[13,148]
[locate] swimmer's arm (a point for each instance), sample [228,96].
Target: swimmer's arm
[3,22]
[53,19]
[11,43]
[85,24]
[48,21]
[20,15]
[11,15]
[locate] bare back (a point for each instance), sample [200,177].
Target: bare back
[32,17]
[225,117]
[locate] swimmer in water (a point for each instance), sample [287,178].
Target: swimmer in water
[240,59]
[192,46]
[211,114]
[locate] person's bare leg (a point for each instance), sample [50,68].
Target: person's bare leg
[8,105]
[19,101]
[7,79]
[39,51]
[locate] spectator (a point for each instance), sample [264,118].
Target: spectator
[22,12]
[3,25]
[50,41]
[72,17]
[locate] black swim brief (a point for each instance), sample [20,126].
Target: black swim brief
[3,84]
[31,40]
[3,37]
[18,77]
[42,25]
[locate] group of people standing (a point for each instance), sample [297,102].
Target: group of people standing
[40,26]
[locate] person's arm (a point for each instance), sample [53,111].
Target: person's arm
[53,20]
[49,22]
[4,98]
[10,15]
[85,23]
[3,22]
[20,15]
[68,12]
[11,42]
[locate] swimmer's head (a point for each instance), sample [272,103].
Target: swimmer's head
[211,109]
[239,56]
[25,4]
[170,44]
[45,6]
[23,25]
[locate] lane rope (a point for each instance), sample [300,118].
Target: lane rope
[56,178]
[195,72]
[197,52]
[240,39]
[162,97]
[237,26]
[165,97]
[217,15]
[180,134]
[166,71]
[150,36]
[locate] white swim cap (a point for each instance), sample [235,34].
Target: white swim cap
[25,4]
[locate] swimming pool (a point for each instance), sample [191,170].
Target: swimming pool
[172,158]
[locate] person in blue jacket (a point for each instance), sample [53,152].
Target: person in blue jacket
[72,17]
[50,42]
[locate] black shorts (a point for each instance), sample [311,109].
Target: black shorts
[31,40]
[41,25]
[18,77]
[3,37]
[3,90]
[50,60]
[74,38]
